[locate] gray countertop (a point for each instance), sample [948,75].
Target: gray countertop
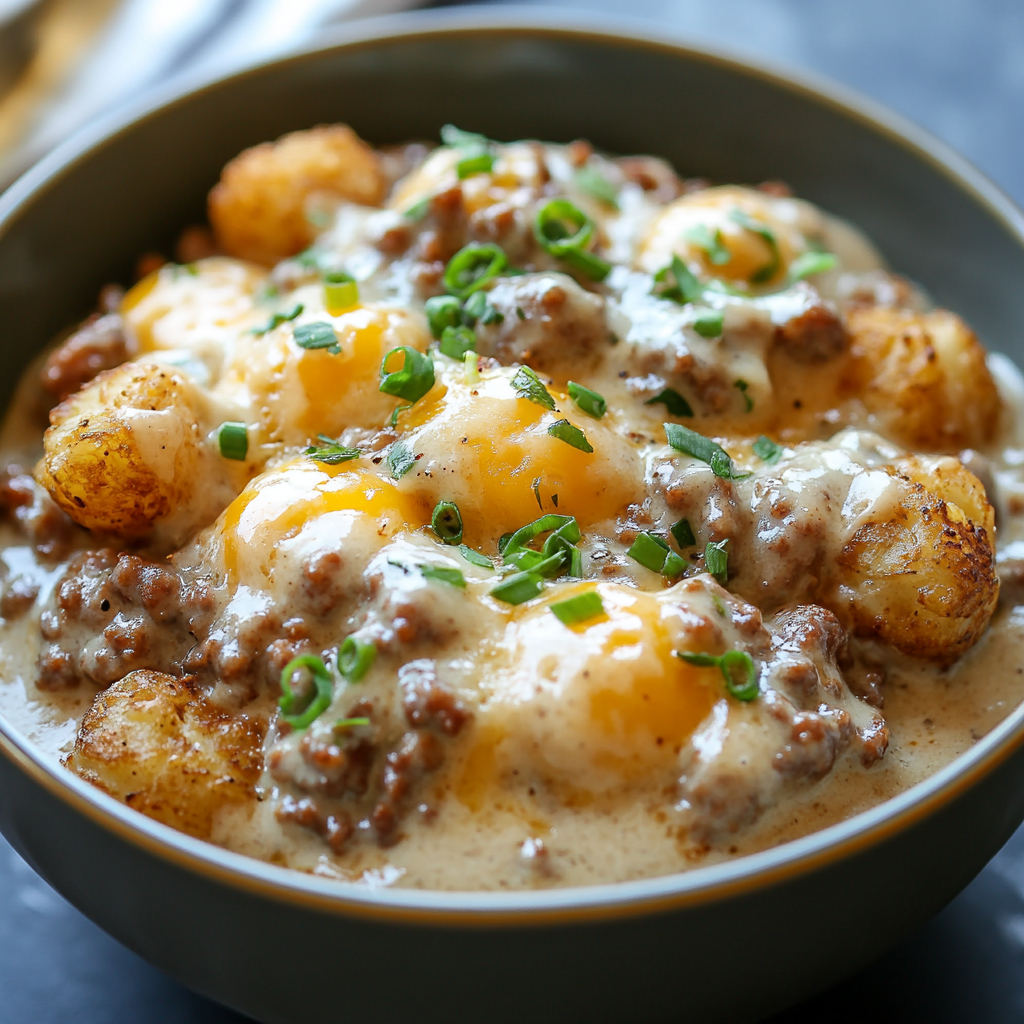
[957,68]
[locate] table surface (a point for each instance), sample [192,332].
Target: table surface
[954,66]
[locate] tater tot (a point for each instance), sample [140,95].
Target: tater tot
[259,208]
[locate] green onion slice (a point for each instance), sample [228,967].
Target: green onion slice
[571,435]
[478,307]
[519,587]
[737,668]
[654,554]
[330,452]
[447,522]
[457,341]
[442,311]
[767,450]
[412,380]
[689,442]
[578,608]
[711,244]
[769,270]
[807,264]
[418,210]
[445,574]
[709,324]
[400,460]
[317,335]
[459,139]
[475,558]
[233,440]
[472,267]
[677,283]
[591,181]
[477,163]
[716,560]
[742,386]
[300,710]
[355,658]
[350,723]
[528,385]
[340,290]
[673,402]
[683,533]
[277,319]
[589,401]
[566,526]
[564,230]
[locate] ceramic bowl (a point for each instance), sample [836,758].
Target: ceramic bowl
[732,942]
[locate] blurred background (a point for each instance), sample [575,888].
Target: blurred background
[954,66]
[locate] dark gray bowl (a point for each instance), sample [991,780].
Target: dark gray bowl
[726,943]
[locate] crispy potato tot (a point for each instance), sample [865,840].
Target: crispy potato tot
[152,742]
[923,580]
[126,451]
[259,208]
[924,377]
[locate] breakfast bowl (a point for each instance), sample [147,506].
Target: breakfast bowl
[729,941]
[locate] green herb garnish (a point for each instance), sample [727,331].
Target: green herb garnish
[447,522]
[716,560]
[277,319]
[317,335]
[355,657]
[683,533]
[300,710]
[742,386]
[712,245]
[412,380]
[677,283]
[564,230]
[233,440]
[330,452]
[457,341]
[768,271]
[673,401]
[589,401]
[809,263]
[400,460]
[528,385]
[442,311]
[709,324]
[591,181]
[519,587]
[654,554]
[689,442]
[472,267]
[340,290]
[445,574]
[571,435]
[578,608]
[767,450]
[475,558]
[737,668]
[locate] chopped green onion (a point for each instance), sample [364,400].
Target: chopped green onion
[446,574]
[742,386]
[459,139]
[675,565]
[578,608]
[654,554]
[296,711]
[413,380]
[470,372]
[233,440]
[565,526]
[355,657]
[418,210]
[330,452]
[768,271]
[350,723]
[591,181]
[737,668]
[317,335]
[478,307]
[571,435]
[400,460]
[457,341]
[563,230]
[809,263]
[277,319]
[447,522]
[767,450]
[709,324]
[589,401]
[712,245]
[442,311]
[528,385]
[673,401]
[677,283]
[716,560]
[340,290]
[519,587]
[688,441]
[479,163]
[475,558]
[683,533]
[472,267]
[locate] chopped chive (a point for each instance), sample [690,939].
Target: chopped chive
[677,283]
[768,271]
[675,565]
[528,385]
[413,380]
[589,401]
[737,668]
[350,723]
[446,574]
[300,710]
[673,402]
[564,230]
[520,312]
[809,263]
[277,319]
[571,435]
[479,163]
[317,335]
[689,442]
[418,210]
[340,290]
[683,533]
[709,324]
[330,452]
[447,522]
[519,587]
[478,307]
[457,341]
[767,450]
[233,440]
[442,311]
[470,371]
[712,245]
[472,267]
[654,554]
[475,558]
[591,181]
[742,386]
[578,608]
[565,526]
[716,560]
[400,460]
[355,657]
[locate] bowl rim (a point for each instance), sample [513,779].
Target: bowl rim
[486,908]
